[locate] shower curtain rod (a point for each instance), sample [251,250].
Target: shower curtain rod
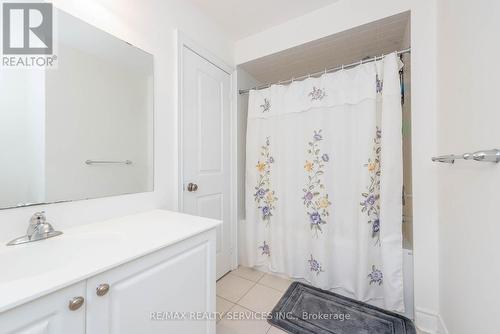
[245,91]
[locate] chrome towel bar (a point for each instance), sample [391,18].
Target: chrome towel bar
[95,162]
[486,155]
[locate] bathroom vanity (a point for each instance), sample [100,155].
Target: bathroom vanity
[144,273]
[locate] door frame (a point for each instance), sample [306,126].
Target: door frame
[183,41]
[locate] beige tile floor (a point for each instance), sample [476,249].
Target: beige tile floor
[244,292]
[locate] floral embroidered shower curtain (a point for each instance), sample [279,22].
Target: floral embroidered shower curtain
[324,179]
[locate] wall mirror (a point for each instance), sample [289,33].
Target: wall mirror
[81,130]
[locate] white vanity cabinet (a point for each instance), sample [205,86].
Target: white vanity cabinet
[47,315]
[177,281]
[155,273]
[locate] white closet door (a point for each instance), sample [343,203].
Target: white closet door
[206,147]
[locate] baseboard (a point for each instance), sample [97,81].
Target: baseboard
[442,329]
[430,322]
[427,321]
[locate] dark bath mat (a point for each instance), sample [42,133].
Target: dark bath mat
[299,309]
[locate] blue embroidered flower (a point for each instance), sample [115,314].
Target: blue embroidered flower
[317,135]
[260,193]
[271,160]
[317,94]
[370,200]
[266,212]
[265,249]
[315,266]
[376,276]
[266,106]
[325,157]
[376,226]
[315,218]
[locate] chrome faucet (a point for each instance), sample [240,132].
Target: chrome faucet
[38,229]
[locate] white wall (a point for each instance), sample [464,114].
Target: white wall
[469,116]
[347,14]
[150,25]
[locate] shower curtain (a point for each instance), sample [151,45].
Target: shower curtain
[324,177]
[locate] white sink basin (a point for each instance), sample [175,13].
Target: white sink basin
[42,257]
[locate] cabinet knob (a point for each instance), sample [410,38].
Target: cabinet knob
[102,289]
[76,303]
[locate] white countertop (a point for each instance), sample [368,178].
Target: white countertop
[35,269]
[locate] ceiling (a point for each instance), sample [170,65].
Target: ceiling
[241,18]
[369,40]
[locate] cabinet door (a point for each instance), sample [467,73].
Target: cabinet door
[180,278]
[47,315]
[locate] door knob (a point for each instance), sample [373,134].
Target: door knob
[102,289]
[192,187]
[76,303]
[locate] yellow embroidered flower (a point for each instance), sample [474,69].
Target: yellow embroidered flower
[372,166]
[324,202]
[261,166]
[308,166]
